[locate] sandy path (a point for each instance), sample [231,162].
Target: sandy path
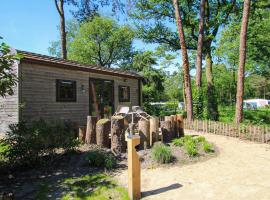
[240,171]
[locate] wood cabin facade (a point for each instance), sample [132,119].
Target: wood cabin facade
[51,88]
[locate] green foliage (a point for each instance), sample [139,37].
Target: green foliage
[101,159]
[27,143]
[258,51]
[170,108]
[97,186]
[174,87]
[103,42]
[256,117]
[8,76]
[207,147]
[192,144]
[72,27]
[162,153]
[198,102]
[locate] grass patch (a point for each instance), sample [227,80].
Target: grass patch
[99,186]
[93,187]
[101,159]
[162,153]
[193,144]
[207,147]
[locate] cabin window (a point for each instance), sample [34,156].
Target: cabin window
[124,93]
[65,91]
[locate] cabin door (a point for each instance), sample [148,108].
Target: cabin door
[101,98]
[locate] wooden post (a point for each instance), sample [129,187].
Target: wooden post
[154,124]
[118,143]
[90,137]
[103,130]
[134,168]
[180,125]
[82,133]
[166,131]
[144,132]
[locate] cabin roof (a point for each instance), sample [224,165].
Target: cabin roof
[73,65]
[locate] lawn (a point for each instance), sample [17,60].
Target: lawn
[98,186]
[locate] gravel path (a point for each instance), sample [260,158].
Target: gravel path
[240,171]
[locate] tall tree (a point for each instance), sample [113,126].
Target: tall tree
[154,21]
[242,60]
[102,42]
[60,8]
[84,10]
[200,47]
[199,95]
[187,83]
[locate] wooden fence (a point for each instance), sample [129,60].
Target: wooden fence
[246,132]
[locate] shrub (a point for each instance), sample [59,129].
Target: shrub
[99,158]
[207,147]
[29,142]
[181,141]
[191,147]
[162,153]
[178,142]
[200,139]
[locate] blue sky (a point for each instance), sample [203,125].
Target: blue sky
[31,25]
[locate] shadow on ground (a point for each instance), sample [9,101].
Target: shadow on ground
[161,190]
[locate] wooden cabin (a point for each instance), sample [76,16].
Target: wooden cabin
[57,89]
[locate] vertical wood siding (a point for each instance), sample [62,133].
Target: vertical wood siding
[38,93]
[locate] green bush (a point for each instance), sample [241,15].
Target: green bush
[178,142]
[181,141]
[29,142]
[191,147]
[192,144]
[207,147]
[162,153]
[99,158]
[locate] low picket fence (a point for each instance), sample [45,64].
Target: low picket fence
[245,132]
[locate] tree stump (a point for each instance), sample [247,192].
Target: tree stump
[144,132]
[174,126]
[118,143]
[82,133]
[90,137]
[180,125]
[102,133]
[154,125]
[165,131]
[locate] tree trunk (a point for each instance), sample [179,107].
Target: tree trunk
[144,132]
[60,9]
[200,47]
[184,95]
[180,125]
[82,133]
[199,95]
[154,125]
[187,83]
[103,130]
[212,106]
[165,131]
[90,137]
[242,60]
[118,143]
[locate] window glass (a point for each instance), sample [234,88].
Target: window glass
[65,90]
[124,93]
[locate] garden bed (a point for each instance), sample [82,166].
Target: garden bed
[179,156]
